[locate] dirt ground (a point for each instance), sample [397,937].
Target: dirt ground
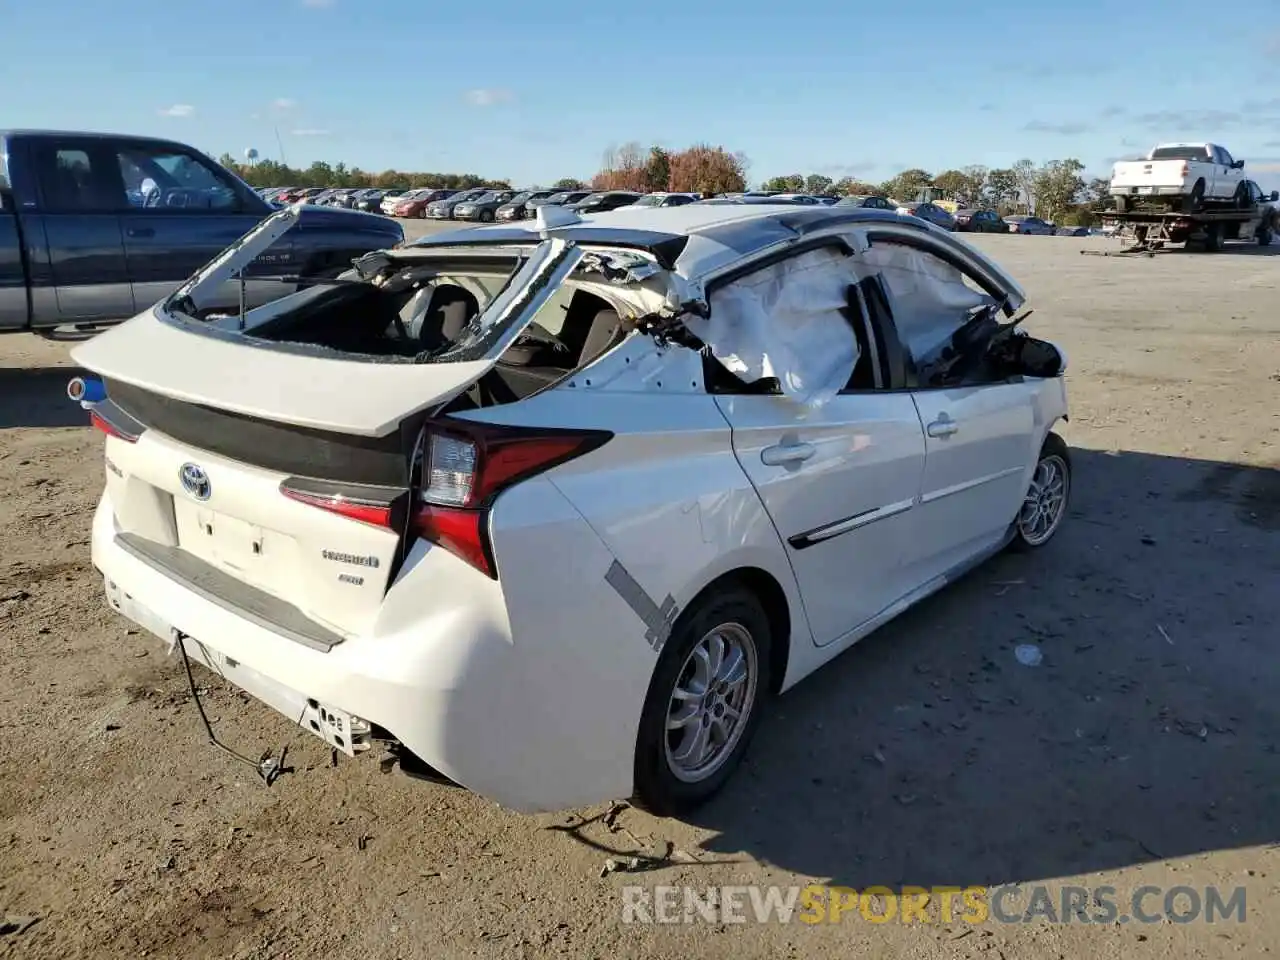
[1141,751]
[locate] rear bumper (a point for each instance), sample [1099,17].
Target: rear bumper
[440,671]
[1147,190]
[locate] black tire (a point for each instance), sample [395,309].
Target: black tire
[422,214]
[1265,236]
[1025,535]
[1214,239]
[486,216]
[657,787]
[1195,201]
[1242,199]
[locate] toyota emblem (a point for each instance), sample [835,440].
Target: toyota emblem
[195,481]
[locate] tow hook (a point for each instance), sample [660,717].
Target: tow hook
[411,765]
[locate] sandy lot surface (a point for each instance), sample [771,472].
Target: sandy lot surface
[1142,751]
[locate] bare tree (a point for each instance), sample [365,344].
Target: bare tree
[1024,173]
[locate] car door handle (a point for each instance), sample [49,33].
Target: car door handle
[784,453]
[944,426]
[141,231]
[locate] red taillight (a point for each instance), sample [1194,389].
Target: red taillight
[353,508]
[1185,169]
[461,532]
[466,465]
[110,429]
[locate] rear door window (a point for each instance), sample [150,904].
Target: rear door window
[77,178]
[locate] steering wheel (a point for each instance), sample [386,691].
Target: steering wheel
[540,334]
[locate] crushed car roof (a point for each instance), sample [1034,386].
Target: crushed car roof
[700,237]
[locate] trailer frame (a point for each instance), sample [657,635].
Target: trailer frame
[1150,231]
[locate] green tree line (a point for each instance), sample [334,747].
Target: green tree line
[1055,190]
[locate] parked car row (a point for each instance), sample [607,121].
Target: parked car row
[485,205]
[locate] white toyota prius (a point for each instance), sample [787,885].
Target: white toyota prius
[551,510]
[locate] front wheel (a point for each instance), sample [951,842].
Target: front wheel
[486,216]
[704,702]
[1045,503]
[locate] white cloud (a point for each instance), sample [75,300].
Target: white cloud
[488,97]
[309,132]
[284,103]
[177,110]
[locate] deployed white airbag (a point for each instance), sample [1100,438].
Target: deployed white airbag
[928,296]
[784,321]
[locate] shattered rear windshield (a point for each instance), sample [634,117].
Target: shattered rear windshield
[454,305]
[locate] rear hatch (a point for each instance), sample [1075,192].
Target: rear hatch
[224,446]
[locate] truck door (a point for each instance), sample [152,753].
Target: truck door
[1227,176]
[80,200]
[184,211]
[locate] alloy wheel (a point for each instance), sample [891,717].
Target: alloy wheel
[711,703]
[1045,502]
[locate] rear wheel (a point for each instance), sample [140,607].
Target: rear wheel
[1045,503]
[704,702]
[1195,201]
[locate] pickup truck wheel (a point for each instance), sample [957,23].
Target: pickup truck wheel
[1214,238]
[708,692]
[1265,236]
[1048,494]
[1242,199]
[1195,201]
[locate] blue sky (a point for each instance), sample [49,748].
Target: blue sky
[508,89]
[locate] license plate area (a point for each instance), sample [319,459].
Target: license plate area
[227,542]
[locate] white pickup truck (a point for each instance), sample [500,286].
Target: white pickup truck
[1181,174]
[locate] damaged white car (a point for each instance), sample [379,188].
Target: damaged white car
[551,510]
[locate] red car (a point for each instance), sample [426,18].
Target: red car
[415,203]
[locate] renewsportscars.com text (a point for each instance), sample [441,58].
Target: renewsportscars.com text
[1008,903]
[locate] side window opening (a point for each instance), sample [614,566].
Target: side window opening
[76,180]
[951,335]
[156,178]
[784,328]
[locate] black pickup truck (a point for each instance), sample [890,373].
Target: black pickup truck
[95,228]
